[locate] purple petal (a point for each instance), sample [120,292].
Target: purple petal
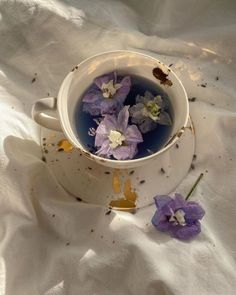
[123,118]
[104,79]
[185,232]
[92,96]
[123,91]
[105,149]
[164,119]
[162,200]
[193,211]
[125,152]
[104,128]
[160,221]
[92,108]
[132,134]
[109,106]
[147,125]
[178,202]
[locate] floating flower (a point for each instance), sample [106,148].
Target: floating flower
[107,94]
[177,216]
[116,138]
[149,111]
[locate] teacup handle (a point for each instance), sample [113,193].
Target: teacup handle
[44,112]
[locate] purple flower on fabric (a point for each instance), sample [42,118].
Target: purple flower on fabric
[107,94]
[178,217]
[116,138]
[149,111]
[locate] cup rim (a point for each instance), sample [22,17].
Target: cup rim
[173,140]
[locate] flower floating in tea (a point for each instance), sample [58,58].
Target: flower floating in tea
[107,94]
[149,111]
[116,110]
[177,216]
[115,137]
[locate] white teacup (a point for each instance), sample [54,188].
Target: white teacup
[59,114]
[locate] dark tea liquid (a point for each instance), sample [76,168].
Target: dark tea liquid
[153,141]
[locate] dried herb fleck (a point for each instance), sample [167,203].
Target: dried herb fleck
[142,181]
[192,99]
[107,172]
[108,212]
[33,80]
[163,171]
[78,199]
[44,159]
[131,172]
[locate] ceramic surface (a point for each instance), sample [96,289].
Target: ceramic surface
[97,184]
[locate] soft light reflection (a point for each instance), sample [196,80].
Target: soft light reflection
[88,255]
[57,289]
[2,276]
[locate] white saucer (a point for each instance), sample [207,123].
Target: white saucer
[97,184]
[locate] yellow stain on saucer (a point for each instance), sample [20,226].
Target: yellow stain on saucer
[122,204]
[129,194]
[65,145]
[128,202]
[116,184]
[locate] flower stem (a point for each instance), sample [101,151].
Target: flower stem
[194,186]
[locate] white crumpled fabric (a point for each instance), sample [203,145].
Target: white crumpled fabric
[47,246]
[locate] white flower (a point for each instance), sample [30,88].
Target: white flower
[116,138]
[149,111]
[109,89]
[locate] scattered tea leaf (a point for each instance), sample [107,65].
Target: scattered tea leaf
[163,171]
[192,99]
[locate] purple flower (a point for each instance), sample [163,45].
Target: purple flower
[116,138]
[149,111]
[107,95]
[177,216]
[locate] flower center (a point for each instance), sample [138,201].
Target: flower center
[109,89]
[152,110]
[178,217]
[116,138]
